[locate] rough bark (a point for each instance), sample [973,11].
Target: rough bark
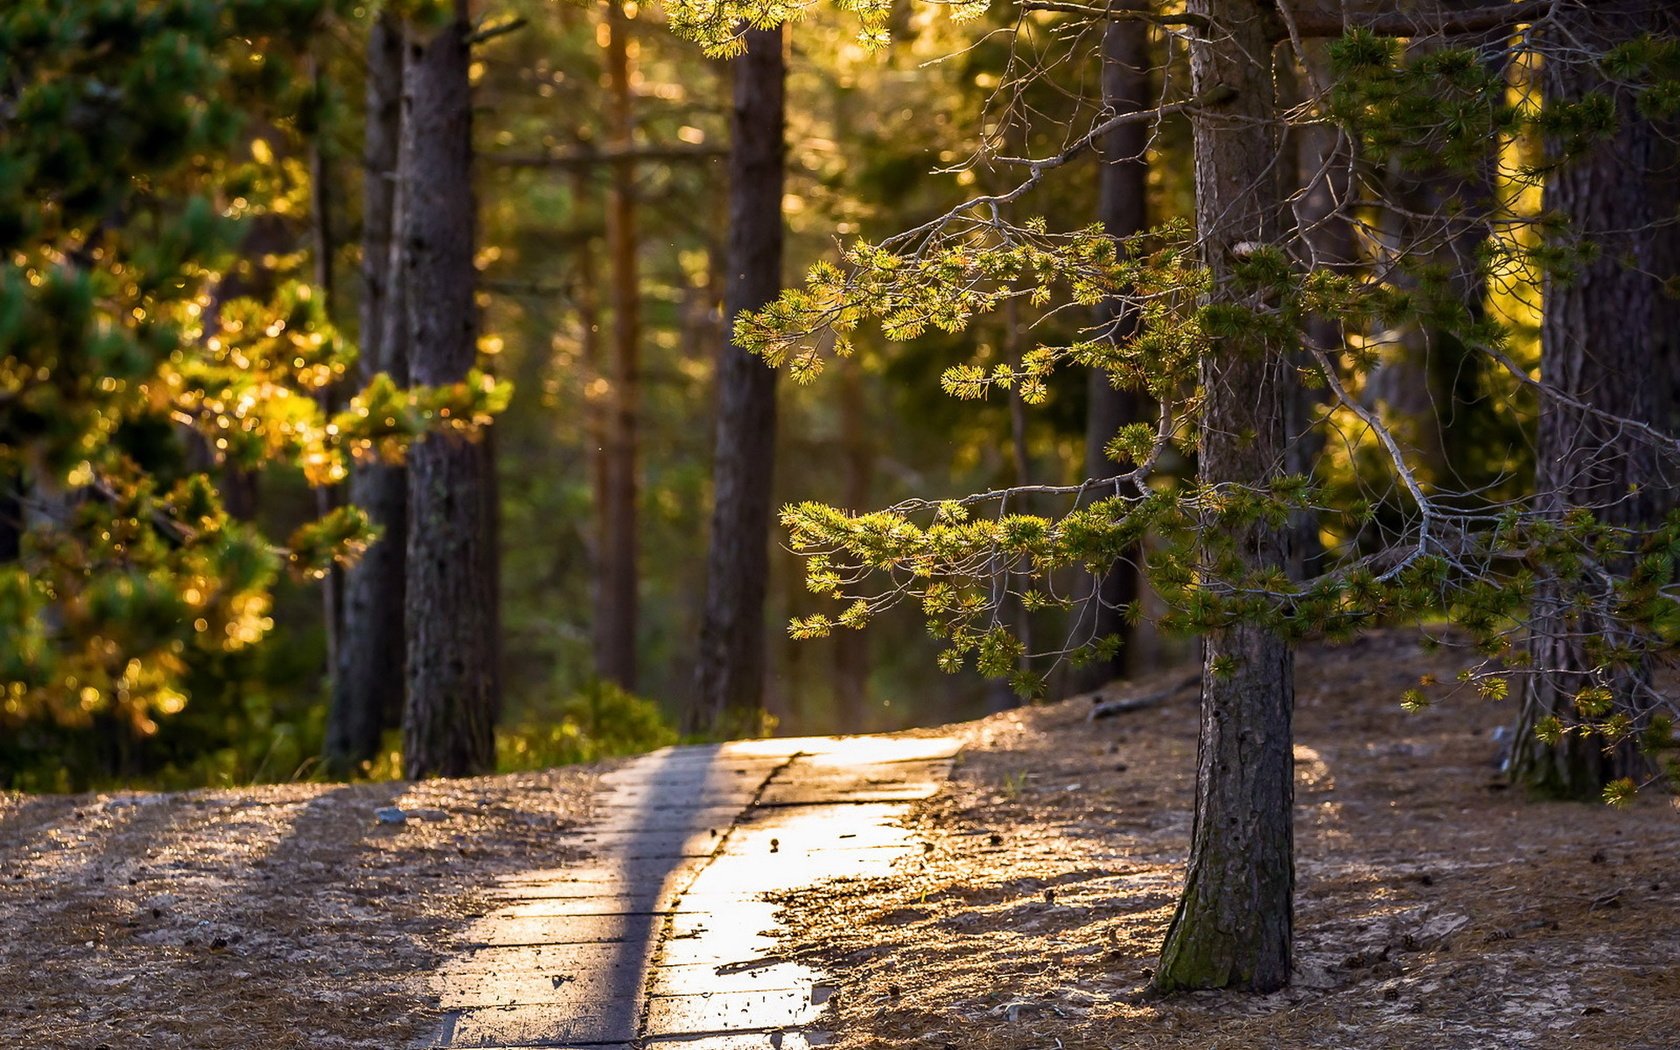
[729,678]
[1123,206]
[1233,925]
[616,602]
[367,694]
[1609,338]
[449,715]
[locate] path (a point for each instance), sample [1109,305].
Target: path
[663,939]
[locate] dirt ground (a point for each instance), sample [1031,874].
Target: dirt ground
[277,917]
[1435,908]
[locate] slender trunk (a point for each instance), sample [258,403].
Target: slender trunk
[851,654]
[857,449]
[1604,332]
[328,497]
[1123,205]
[588,302]
[1020,453]
[729,679]
[11,512]
[1324,170]
[1430,379]
[490,573]
[367,692]
[449,718]
[1234,923]
[1001,694]
[267,237]
[616,599]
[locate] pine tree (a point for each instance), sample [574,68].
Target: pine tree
[1611,333]
[729,677]
[449,717]
[141,146]
[1123,201]
[368,678]
[1233,927]
[618,579]
[1223,302]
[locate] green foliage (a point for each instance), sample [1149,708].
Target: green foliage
[599,721]
[1429,109]
[960,276]
[1620,792]
[716,25]
[152,337]
[1433,112]
[253,718]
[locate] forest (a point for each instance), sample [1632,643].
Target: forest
[400,389]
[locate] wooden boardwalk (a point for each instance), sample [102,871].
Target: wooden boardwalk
[663,939]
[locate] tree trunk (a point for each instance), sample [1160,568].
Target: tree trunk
[1233,926]
[1123,204]
[324,246]
[11,514]
[588,303]
[729,679]
[268,236]
[1324,169]
[616,598]
[367,694]
[1430,379]
[449,717]
[1604,334]
[857,450]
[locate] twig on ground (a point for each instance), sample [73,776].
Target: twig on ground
[1101,708]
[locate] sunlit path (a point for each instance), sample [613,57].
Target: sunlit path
[664,935]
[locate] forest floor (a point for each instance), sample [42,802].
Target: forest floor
[280,918]
[1436,908]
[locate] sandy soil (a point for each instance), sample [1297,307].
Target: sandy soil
[1436,908]
[278,917]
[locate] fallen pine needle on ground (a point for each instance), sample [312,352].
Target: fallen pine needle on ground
[1436,908]
[270,917]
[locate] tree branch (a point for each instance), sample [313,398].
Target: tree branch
[588,156]
[1116,13]
[487,33]
[1105,708]
[1036,169]
[1424,21]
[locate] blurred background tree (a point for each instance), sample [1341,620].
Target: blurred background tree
[202,231]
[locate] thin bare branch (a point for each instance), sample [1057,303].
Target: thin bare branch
[1420,21]
[1116,13]
[589,156]
[1037,169]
